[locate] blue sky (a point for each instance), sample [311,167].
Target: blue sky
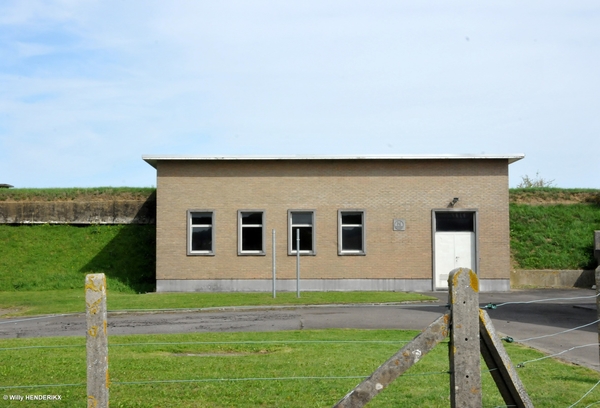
[88,87]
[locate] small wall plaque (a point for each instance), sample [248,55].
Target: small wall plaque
[399,224]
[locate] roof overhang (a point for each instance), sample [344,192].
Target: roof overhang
[511,158]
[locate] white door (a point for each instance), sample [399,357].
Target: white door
[453,250]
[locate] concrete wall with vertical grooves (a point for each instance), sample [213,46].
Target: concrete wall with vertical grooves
[79,212]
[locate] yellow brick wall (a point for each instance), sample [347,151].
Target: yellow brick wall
[385,189]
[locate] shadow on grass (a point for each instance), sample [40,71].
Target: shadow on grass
[129,259]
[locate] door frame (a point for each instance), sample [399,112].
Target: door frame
[434,211]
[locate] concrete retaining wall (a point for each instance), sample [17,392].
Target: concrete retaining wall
[79,212]
[552,278]
[312,285]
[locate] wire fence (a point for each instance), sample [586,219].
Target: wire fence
[288,342]
[522,364]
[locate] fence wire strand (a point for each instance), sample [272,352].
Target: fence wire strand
[585,395]
[206,380]
[494,306]
[522,364]
[556,334]
[250,342]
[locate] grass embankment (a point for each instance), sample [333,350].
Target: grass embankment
[46,258]
[23,303]
[50,257]
[553,236]
[79,194]
[44,267]
[553,228]
[280,369]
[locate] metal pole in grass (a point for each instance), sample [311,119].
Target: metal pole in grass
[298,263]
[96,341]
[274,266]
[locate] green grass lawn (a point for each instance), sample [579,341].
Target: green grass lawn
[20,303]
[554,237]
[51,257]
[276,369]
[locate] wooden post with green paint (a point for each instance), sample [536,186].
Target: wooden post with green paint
[96,341]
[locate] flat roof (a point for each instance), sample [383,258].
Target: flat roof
[153,159]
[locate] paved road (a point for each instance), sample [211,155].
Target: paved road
[519,320]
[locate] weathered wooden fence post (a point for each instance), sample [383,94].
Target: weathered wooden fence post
[471,333]
[96,341]
[396,365]
[501,368]
[464,349]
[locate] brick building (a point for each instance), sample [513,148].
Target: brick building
[365,222]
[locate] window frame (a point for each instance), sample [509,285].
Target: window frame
[363,251]
[190,226]
[292,239]
[242,252]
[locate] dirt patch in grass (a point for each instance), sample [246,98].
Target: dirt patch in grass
[10,311]
[223,354]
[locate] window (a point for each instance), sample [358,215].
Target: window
[250,233]
[200,233]
[454,221]
[351,232]
[303,221]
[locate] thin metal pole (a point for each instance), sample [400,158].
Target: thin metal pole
[274,267]
[298,263]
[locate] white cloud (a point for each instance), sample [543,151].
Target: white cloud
[95,84]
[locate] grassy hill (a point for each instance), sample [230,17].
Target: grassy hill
[551,228]
[46,257]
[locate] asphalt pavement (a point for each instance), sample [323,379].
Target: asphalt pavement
[552,320]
